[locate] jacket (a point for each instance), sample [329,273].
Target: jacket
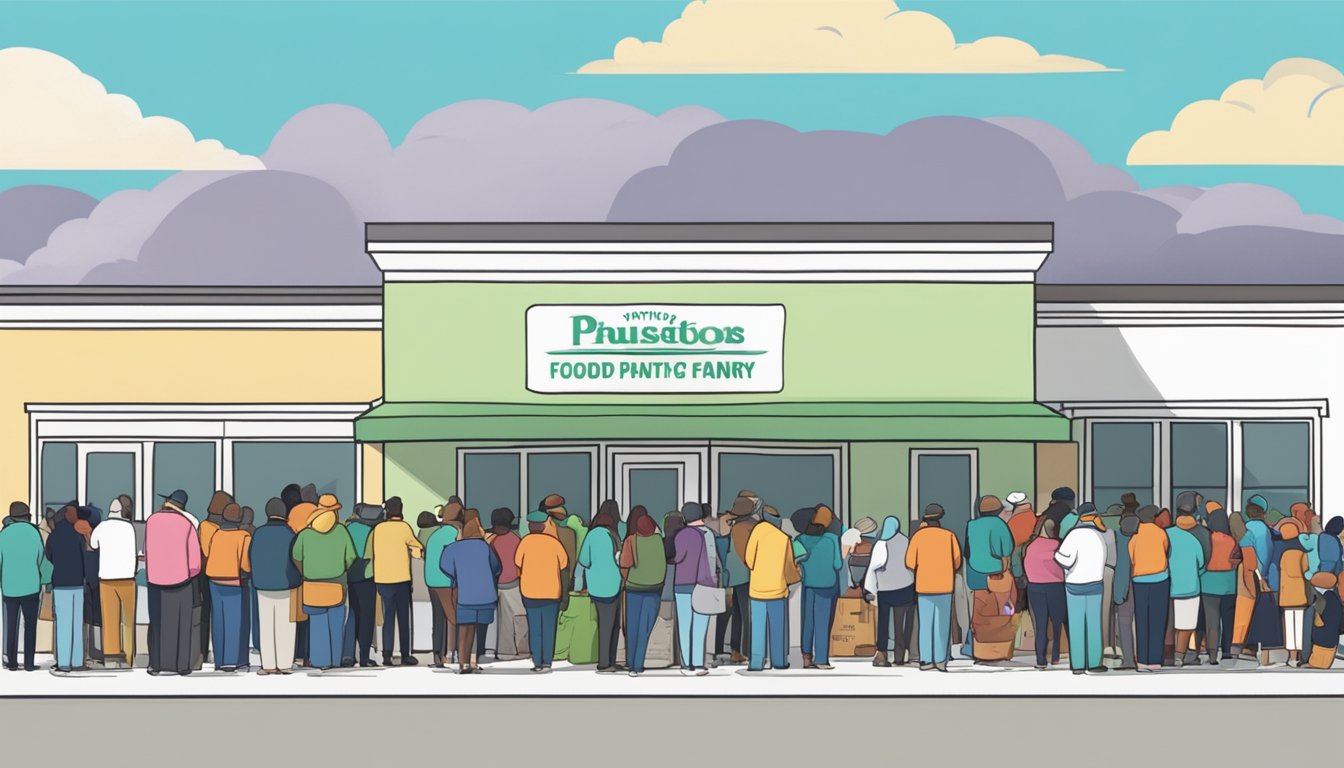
[1124,570]
[435,544]
[1185,563]
[172,549]
[988,543]
[541,561]
[1039,564]
[644,563]
[114,539]
[391,547]
[1293,585]
[1220,575]
[1148,549]
[1083,555]
[689,558]
[359,536]
[821,569]
[506,546]
[474,567]
[598,558]
[226,555]
[269,555]
[935,557]
[1258,537]
[887,571]
[769,557]
[65,550]
[323,550]
[24,567]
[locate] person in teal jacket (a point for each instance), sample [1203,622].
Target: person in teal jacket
[441,597]
[988,543]
[821,583]
[598,558]
[1186,565]
[24,572]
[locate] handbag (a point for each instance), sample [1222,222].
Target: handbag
[322,594]
[707,600]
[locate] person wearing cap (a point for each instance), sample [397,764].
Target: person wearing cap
[602,576]
[541,561]
[821,585]
[890,584]
[1323,617]
[744,513]
[1329,548]
[1288,579]
[1186,565]
[324,553]
[1149,550]
[856,545]
[227,567]
[504,539]
[769,556]
[1258,535]
[1061,504]
[934,556]
[1218,584]
[391,547]
[275,577]
[363,597]
[24,573]
[172,566]
[565,528]
[114,539]
[442,592]
[1022,521]
[989,551]
[1083,554]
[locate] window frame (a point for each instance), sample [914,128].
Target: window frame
[917,453]
[523,452]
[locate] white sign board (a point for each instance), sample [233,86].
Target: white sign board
[642,348]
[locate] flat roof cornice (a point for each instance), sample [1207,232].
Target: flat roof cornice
[711,232]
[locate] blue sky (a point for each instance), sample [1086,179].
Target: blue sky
[236,71]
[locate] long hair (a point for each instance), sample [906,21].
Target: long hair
[1045,528]
[632,523]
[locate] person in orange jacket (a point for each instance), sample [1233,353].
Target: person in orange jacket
[934,555]
[542,561]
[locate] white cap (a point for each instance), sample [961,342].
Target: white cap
[1016,498]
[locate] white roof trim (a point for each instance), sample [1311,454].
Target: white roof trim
[191,316]
[1189,314]
[1210,409]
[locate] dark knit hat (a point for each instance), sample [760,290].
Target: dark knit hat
[692,511]
[933,512]
[1149,513]
[1063,493]
[501,517]
[990,505]
[369,513]
[275,507]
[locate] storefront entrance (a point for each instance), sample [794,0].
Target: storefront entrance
[107,470]
[661,479]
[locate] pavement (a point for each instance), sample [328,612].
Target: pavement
[850,678]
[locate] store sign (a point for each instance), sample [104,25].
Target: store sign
[636,348]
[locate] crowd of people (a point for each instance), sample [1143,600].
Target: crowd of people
[1142,585]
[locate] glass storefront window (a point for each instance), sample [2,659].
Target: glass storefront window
[262,469]
[59,479]
[786,482]
[1122,462]
[1199,460]
[568,474]
[190,467]
[946,479]
[489,481]
[1276,462]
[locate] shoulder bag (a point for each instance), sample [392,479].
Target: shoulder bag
[707,600]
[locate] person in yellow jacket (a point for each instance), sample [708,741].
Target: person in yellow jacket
[934,555]
[390,549]
[542,561]
[769,557]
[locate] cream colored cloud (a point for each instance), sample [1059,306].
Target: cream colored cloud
[804,36]
[1295,116]
[55,117]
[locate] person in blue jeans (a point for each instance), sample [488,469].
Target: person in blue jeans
[769,556]
[691,567]
[643,562]
[65,551]
[325,630]
[821,582]
[934,556]
[1082,554]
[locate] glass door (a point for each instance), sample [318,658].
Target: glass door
[947,478]
[105,471]
[661,482]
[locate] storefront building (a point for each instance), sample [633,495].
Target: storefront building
[872,367]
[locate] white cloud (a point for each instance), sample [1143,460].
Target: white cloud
[815,36]
[1294,116]
[55,117]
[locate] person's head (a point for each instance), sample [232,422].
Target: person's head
[1115,510]
[607,516]
[1185,503]
[1148,513]
[1014,500]
[451,512]
[1087,515]
[426,520]
[1256,506]
[933,514]
[672,523]
[275,508]
[49,516]
[1236,523]
[553,504]
[176,501]
[1062,495]
[215,509]
[369,514]
[536,521]
[471,513]
[989,506]
[1185,520]
[292,496]
[18,510]
[308,493]
[122,506]
[866,526]
[1047,529]
[693,512]
[501,519]
[644,525]
[232,515]
[800,519]
[823,518]
[1130,502]
[472,529]
[393,507]
[249,518]
[328,502]
[70,514]
[1217,518]
[771,515]
[1335,527]
[891,525]
[1129,525]
[636,512]
[1288,529]
[84,513]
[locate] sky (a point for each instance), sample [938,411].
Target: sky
[236,71]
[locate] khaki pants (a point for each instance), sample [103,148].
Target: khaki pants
[117,599]
[277,630]
[510,638]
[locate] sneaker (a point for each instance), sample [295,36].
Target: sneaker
[941,667]
[754,669]
[633,673]
[286,671]
[1098,670]
[369,664]
[880,660]
[688,671]
[701,672]
[824,667]
[347,662]
[925,667]
[266,672]
[538,669]
[1041,667]
[409,661]
[1080,671]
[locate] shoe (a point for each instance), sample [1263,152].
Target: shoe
[1041,667]
[880,660]
[185,672]
[1212,662]
[1143,668]
[369,664]
[12,668]
[81,668]
[538,669]
[783,666]
[688,671]
[737,659]
[1080,671]
[807,661]
[226,669]
[464,670]
[409,661]
[153,672]
[265,672]
[347,662]
[387,661]
[633,673]
[1097,670]
[925,667]
[754,669]
[29,667]
[942,667]
[701,672]
[286,671]
[824,667]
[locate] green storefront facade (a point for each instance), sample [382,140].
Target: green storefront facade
[873,367]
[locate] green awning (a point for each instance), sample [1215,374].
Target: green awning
[803,422]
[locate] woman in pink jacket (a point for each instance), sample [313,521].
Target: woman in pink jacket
[1045,589]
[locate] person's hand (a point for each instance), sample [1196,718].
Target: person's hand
[869,596]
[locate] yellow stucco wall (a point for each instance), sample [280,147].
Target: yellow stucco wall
[175,366]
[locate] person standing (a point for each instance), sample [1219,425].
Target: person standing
[562,527]
[505,540]
[821,585]
[1148,555]
[363,596]
[1289,581]
[442,593]
[114,539]
[275,577]
[934,556]
[324,553]
[1123,595]
[1186,564]
[24,572]
[1061,504]
[1046,596]
[770,556]
[474,568]
[989,551]
[742,516]
[391,547]
[172,564]
[643,568]
[891,585]
[227,567]
[1324,620]
[1218,585]
[65,550]
[602,574]
[1083,553]
[541,561]
[692,568]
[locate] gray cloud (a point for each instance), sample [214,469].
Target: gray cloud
[28,216]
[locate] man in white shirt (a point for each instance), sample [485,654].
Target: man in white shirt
[1083,554]
[114,538]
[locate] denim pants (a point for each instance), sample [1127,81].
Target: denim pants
[325,627]
[1151,602]
[396,616]
[818,617]
[1084,612]
[1048,603]
[229,633]
[641,614]
[28,605]
[68,605]
[692,628]
[935,628]
[542,616]
[769,617]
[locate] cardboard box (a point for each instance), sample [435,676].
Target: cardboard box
[855,627]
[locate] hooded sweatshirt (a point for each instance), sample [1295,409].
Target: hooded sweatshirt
[1148,552]
[1288,578]
[226,554]
[474,567]
[887,571]
[323,550]
[1329,548]
[390,549]
[65,550]
[1186,561]
[1258,538]
[768,557]
[1083,553]
[821,569]
[988,542]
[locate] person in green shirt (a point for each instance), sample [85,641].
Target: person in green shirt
[323,553]
[644,563]
[602,575]
[442,596]
[989,545]
[821,582]
[24,572]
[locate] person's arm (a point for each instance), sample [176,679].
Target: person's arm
[296,552]
[496,567]
[246,564]
[956,555]
[586,553]
[912,555]
[1067,554]
[564,556]
[627,560]
[93,539]
[1201,561]
[193,556]
[1133,558]
[838,563]
[448,563]
[417,549]
[753,545]
[518,555]
[877,564]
